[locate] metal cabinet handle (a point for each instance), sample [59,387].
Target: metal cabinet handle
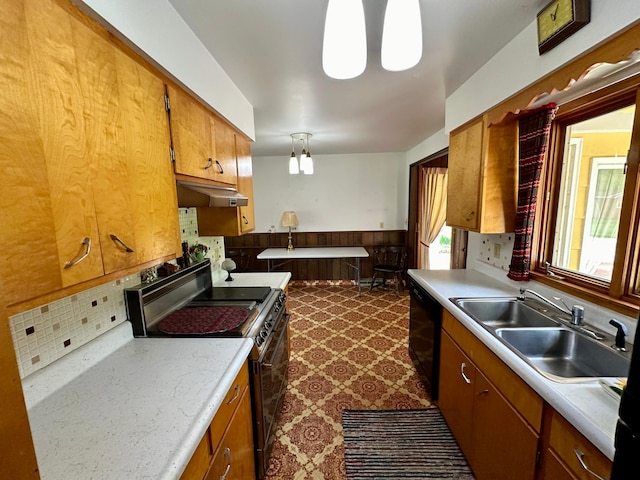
[81,256]
[580,456]
[245,220]
[471,214]
[235,395]
[220,169]
[227,454]
[466,379]
[209,164]
[116,239]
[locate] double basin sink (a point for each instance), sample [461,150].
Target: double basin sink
[546,342]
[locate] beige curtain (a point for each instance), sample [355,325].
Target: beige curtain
[434,209]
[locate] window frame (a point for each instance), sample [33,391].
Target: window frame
[621,294]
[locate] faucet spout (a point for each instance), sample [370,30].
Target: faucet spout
[523,291]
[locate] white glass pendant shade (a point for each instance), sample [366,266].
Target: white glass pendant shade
[344,50]
[308,165]
[293,164]
[401,35]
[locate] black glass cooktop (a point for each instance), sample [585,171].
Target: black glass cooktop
[255,294]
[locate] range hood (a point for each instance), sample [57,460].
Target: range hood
[191,194]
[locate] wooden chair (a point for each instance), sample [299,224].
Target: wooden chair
[389,261]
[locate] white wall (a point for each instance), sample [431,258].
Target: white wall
[157,29]
[346,192]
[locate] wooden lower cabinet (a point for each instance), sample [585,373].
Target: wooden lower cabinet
[497,441]
[566,446]
[226,450]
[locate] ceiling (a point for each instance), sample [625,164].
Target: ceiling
[272,50]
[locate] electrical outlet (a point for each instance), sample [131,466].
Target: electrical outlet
[381,224]
[496,250]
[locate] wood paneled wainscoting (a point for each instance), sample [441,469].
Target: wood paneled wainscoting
[244,249]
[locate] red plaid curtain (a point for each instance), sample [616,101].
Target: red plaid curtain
[533,140]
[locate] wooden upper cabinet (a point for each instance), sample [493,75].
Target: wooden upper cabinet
[84,142]
[245,184]
[197,150]
[482,188]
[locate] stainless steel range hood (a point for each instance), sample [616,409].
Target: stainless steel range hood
[191,194]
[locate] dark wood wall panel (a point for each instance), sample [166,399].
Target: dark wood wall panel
[244,250]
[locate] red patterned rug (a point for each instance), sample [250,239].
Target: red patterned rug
[348,353]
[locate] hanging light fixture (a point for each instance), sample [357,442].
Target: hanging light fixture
[293,161]
[344,49]
[401,35]
[306,162]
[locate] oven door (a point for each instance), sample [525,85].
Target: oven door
[272,371]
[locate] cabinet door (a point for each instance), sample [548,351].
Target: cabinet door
[57,92]
[456,391]
[466,154]
[29,262]
[151,181]
[245,184]
[225,165]
[504,445]
[234,458]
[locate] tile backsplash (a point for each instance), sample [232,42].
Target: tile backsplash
[44,334]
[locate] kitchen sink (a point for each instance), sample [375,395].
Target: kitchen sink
[560,352]
[504,313]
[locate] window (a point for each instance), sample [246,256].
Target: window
[587,228]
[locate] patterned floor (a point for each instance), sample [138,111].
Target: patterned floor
[348,352]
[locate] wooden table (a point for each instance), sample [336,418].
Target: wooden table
[271,254]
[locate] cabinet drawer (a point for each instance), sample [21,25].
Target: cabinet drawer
[521,396]
[228,406]
[567,442]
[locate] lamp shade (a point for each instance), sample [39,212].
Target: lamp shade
[289,219]
[401,35]
[344,48]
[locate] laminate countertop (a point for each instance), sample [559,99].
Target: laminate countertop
[129,408]
[256,279]
[585,405]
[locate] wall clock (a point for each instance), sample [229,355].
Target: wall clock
[559,20]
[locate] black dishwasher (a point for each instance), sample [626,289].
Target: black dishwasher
[425,325]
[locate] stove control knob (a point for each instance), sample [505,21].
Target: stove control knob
[259,341]
[267,325]
[263,334]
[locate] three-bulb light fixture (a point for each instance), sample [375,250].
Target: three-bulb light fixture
[306,161]
[344,50]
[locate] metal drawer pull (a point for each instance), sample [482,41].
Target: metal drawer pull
[220,169]
[227,454]
[471,214]
[580,456]
[209,164]
[81,256]
[466,379]
[124,245]
[235,395]
[245,219]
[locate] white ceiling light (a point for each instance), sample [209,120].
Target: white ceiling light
[293,161]
[401,35]
[344,51]
[306,162]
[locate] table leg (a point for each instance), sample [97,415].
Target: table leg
[358,275]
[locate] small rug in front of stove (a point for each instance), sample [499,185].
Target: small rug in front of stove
[401,444]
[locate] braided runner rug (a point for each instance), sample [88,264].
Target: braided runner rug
[401,444]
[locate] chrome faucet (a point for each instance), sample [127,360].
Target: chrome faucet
[576,312]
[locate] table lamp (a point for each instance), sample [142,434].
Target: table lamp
[289,219]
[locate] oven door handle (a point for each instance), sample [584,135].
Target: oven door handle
[269,364]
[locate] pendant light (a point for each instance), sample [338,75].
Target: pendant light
[401,35]
[344,49]
[293,161]
[308,163]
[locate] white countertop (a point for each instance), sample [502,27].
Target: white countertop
[585,405]
[257,279]
[137,412]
